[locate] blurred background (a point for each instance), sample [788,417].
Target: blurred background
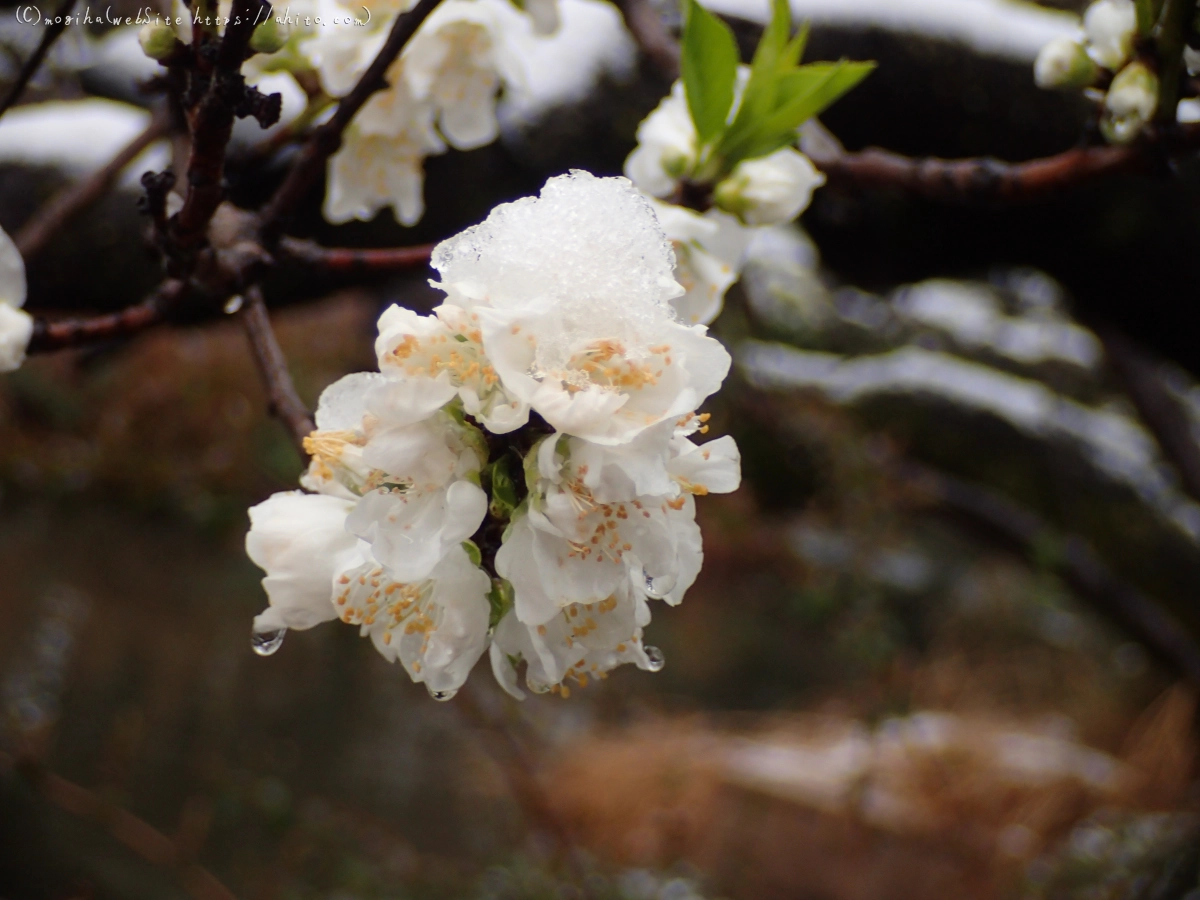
[946,640]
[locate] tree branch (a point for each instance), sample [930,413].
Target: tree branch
[651,35]
[77,332]
[349,259]
[326,140]
[987,180]
[284,402]
[73,199]
[211,124]
[49,36]
[136,834]
[1161,412]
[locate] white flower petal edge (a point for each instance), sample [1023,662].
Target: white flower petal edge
[437,627]
[770,190]
[666,146]
[300,541]
[16,325]
[709,252]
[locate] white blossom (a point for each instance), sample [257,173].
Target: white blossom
[708,258]
[372,171]
[581,642]
[1110,26]
[16,325]
[441,355]
[666,146]
[769,190]
[300,541]
[573,292]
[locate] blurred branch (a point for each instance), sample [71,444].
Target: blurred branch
[349,259]
[651,35]
[1075,562]
[519,770]
[1174,24]
[326,140]
[78,332]
[988,180]
[136,834]
[272,366]
[73,199]
[1161,412]
[49,36]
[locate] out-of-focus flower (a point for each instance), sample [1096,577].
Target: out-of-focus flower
[1130,103]
[1110,26]
[769,190]
[16,325]
[708,258]
[1064,63]
[666,146]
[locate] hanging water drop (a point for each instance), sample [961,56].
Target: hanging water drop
[233,304]
[657,586]
[654,658]
[536,686]
[441,696]
[264,643]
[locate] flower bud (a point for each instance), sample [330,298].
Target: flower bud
[1130,103]
[1110,26]
[769,190]
[1063,63]
[157,40]
[269,37]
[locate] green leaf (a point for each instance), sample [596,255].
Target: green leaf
[709,67]
[759,96]
[1147,15]
[504,489]
[473,552]
[815,92]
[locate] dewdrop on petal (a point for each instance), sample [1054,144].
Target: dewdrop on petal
[573,291]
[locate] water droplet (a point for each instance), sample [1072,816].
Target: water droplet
[536,686]
[654,658]
[233,304]
[441,696]
[264,643]
[657,587]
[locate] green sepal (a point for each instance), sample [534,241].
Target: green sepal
[473,552]
[503,487]
[500,600]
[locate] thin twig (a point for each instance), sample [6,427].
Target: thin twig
[350,259]
[284,402]
[49,36]
[1080,568]
[73,199]
[1161,412]
[77,332]
[651,35]
[326,140]
[138,835]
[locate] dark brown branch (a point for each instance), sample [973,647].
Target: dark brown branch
[211,124]
[77,332]
[1161,412]
[49,36]
[136,834]
[284,402]
[1076,563]
[326,140]
[349,259]
[984,179]
[650,33]
[73,199]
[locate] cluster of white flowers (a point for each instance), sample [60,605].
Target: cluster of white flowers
[441,92]
[709,246]
[556,361]
[1106,44]
[16,325]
